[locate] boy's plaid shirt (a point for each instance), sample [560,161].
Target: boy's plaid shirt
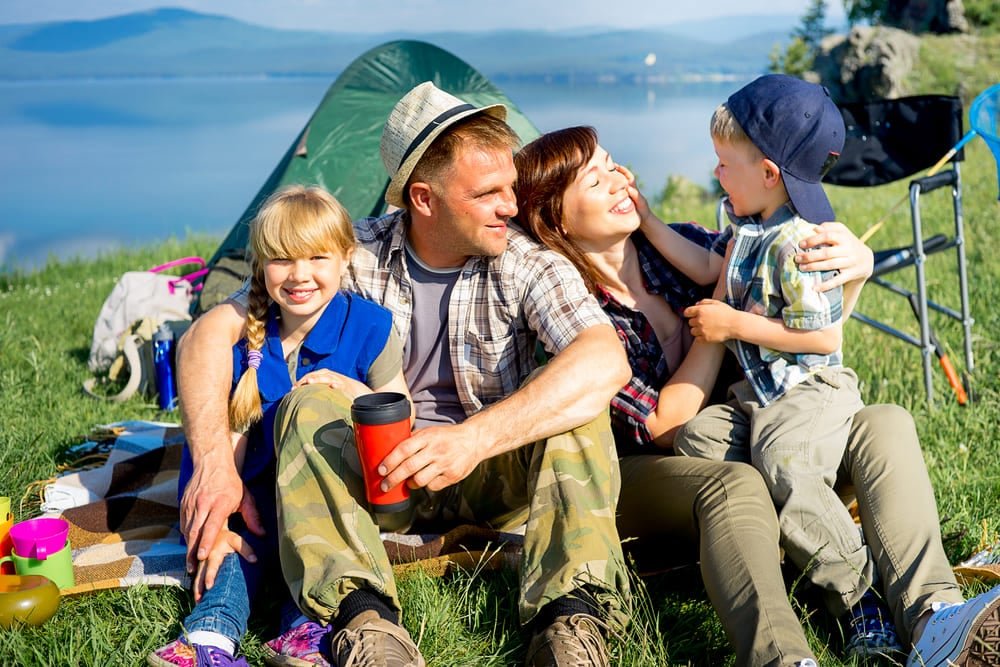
[763,278]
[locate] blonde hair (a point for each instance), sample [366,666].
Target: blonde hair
[293,222]
[725,128]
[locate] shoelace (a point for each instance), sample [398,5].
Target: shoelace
[211,656]
[583,644]
[363,643]
[310,632]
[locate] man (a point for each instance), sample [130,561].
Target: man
[471,295]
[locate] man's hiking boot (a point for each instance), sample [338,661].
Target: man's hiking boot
[179,653]
[571,641]
[369,640]
[301,646]
[871,631]
[963,635]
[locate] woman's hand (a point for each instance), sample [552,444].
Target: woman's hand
[348,386]
[835,247]
[712,321]
[226,543]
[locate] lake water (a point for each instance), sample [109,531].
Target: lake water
[88,166]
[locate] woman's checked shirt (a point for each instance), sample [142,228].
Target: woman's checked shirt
[638,399]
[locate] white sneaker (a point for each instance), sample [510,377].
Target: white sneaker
[808,662]
[962,635]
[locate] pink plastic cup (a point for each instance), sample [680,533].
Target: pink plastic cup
[38,538]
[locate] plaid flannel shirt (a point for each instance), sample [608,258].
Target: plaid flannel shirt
[763,278]
[634,402]
[499,309]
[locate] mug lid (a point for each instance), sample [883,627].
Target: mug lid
[381,407]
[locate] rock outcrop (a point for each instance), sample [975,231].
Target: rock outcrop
[867,63]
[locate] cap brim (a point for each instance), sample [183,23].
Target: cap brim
[394,193]
[808,198]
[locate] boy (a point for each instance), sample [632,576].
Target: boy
[775,139]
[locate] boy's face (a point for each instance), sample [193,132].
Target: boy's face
[742,173]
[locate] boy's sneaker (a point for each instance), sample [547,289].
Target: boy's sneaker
[301,646]
[369,640]
[965,634]
[570,641]
[179,653]
[871,631]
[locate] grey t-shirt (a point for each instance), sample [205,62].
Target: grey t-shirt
[426,362]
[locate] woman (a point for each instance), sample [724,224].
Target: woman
[575,199]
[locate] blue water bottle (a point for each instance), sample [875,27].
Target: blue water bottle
[163,358]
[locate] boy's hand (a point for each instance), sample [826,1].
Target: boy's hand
[226,543]
[641,205]
[712,321]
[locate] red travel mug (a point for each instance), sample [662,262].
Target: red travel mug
[381,421]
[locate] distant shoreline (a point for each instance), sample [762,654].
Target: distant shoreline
[498,79]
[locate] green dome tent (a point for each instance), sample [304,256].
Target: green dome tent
[339,146]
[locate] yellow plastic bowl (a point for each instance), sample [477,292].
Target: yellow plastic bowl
[31,599]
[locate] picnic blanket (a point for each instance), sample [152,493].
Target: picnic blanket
[123,517]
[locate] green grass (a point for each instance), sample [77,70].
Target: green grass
[46,321]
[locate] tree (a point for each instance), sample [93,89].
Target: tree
[813,28]
[798,57]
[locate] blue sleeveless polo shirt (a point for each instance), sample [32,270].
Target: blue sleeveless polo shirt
[347,339]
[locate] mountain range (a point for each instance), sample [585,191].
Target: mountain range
[180,43]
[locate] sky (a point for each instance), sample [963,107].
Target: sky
[422,15]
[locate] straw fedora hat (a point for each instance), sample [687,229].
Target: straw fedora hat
[414,123]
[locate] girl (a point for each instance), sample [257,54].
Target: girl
[300,329]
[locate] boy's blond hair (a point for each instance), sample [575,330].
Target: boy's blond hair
[725,128]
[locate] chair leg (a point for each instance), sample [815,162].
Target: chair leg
[926,348]
[963,281]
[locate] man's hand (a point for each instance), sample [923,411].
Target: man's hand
[214,493]
[432,458]
[844,252]
[712,321]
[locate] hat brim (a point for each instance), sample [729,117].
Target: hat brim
[808,198]
[394,193]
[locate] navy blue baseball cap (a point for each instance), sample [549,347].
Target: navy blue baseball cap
[796,125]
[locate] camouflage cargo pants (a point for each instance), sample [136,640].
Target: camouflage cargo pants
[565,488]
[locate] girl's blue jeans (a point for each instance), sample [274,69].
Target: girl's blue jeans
[225,608]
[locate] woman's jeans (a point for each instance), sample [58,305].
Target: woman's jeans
[724,512]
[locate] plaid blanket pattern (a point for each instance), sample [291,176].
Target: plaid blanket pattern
[124,524]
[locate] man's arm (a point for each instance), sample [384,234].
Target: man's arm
[570,390]
[204,372]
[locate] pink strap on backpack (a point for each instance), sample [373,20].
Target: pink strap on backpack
[194,278]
